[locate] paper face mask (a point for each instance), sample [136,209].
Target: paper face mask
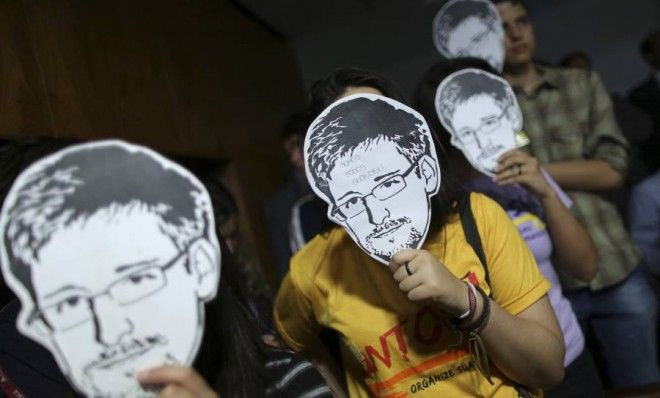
[111,251]
[372,159]
[470,28]
[481,113]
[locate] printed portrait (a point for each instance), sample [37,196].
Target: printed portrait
[372,160]
[111,250]
[481,113]
[470,28]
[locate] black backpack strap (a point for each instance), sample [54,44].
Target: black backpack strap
[471,231]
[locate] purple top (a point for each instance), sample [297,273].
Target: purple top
[534,231]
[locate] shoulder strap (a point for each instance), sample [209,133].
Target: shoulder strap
[471,231]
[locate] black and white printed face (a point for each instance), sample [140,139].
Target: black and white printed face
[376,190]
[470,35]
[99,313]
[483,123]
[115,295]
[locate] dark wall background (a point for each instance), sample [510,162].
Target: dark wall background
[393,37]
[188,78]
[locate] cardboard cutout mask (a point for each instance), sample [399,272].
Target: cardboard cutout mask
[111,251]
[372,159]
[470,28]
[482,115]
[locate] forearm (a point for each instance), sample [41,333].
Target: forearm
[524,350]
[573,246]
[584,175]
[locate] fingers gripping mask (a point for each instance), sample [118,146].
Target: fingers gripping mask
[481,113]
[111,251]
[470,28]
[372,159]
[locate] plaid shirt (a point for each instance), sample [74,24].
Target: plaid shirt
[569,117]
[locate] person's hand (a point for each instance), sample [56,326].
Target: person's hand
[422,277]
[179,382]
[516,167]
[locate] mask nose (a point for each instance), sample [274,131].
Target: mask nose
[110,321]
[376,210]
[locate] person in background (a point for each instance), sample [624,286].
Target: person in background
[285,235]
[647,97]
[635,125]
[644,219]
[375,310]
[225,212]
[533,201]
[568,118]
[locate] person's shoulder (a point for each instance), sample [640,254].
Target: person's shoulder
[318,253]
[483,206]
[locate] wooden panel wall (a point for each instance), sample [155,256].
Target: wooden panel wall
[193,78]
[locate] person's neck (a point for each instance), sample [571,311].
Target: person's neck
[524,76]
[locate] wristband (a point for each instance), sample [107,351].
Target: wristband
[472,305]
[475,344]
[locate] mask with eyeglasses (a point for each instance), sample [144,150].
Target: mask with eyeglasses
[75,310]
[383,191]
[367,147]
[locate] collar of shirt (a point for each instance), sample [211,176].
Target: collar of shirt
[549,80]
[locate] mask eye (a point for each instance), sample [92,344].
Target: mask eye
[349,204]
[67,313]
[389,188]
[69,304]
[138,285]
[141,278]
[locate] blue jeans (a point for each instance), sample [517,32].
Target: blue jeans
[621,323]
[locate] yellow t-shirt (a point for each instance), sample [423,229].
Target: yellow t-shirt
[391,346]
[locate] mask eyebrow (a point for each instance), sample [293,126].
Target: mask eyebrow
[387,175]
[124,267]
[346,194]
[63,289]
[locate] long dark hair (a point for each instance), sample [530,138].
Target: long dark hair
[329,88]
[232,355]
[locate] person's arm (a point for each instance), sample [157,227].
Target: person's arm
[528,347]
[294,320]
[585,175]
[605,151]
[572,244]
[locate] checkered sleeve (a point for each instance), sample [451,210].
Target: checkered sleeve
[606,142]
